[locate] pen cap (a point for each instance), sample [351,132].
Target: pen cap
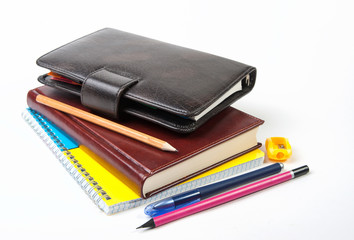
[186,197]
[212,189]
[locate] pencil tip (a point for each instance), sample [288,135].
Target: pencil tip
[148,224]
[167,147]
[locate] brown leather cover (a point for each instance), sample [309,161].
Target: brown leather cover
[126,74]
[135,161]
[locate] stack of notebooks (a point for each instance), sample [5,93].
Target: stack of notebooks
[172,93]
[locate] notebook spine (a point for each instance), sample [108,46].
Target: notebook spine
[72,165]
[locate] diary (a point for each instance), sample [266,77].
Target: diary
[117,73]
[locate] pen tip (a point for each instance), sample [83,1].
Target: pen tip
[148,224]
[167,147]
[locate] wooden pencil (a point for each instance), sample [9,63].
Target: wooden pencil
[129,132]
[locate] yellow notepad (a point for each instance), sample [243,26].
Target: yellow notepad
[107,191]
[122,197]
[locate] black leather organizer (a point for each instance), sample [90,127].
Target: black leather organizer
[117,73]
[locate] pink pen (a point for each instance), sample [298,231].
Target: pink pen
[225,197]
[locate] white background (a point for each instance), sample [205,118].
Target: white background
[304,54]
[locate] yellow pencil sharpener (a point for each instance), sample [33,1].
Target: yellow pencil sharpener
[278,149]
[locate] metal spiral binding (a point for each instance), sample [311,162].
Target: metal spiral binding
[72,165]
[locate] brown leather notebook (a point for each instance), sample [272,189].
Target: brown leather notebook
[148,170]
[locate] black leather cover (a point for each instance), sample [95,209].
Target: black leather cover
[120,72]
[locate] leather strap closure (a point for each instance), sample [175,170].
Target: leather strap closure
[102,91]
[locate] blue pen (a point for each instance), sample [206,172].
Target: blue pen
[187,198]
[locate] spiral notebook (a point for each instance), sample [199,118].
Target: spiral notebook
[107,191]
